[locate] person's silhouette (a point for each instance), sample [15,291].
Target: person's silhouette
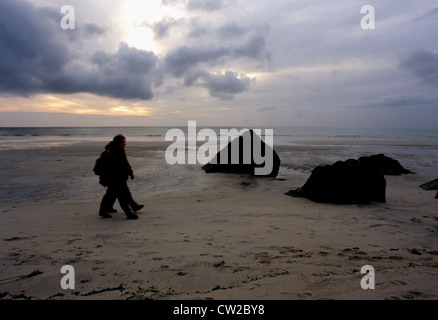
[115,176]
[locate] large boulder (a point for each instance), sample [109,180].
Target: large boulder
[352,181]
[345,182]
[431,185]
[247,160]
[387,165]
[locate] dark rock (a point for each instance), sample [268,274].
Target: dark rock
[248,138]
[388,166]
[431,185]
[351,181]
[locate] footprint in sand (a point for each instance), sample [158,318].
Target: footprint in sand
[398,283]
[16,239]
[415,251]
[415,295]
[219,264]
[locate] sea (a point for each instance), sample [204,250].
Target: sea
[55,164]
[43,137]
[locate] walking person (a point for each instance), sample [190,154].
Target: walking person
[114,175]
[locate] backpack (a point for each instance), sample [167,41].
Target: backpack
[100,164]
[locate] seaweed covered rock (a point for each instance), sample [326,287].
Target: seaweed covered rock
[246,154]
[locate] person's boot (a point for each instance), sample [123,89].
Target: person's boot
[131,216]
[137,207]
[104,215]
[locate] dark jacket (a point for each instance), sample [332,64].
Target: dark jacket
[117,167]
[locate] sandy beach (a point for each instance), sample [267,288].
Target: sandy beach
[212,236]
[344,92]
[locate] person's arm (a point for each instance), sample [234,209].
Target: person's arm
[128,166]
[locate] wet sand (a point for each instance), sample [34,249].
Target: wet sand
[207,236]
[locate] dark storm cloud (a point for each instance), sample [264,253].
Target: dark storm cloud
[30,47]
[186,58]
[190,63]
[225,32]
[254,48]
[198,29]
[220,85]
[36,57]
[163,27]
[91,29]
[423,65]
[183,59]
[130,60]
[225,86]
[127,74]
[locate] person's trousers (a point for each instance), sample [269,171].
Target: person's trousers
[117,190]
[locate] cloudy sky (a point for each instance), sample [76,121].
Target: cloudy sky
[219,62]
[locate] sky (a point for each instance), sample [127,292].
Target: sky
[245,63]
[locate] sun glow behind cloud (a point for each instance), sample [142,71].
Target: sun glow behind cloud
[83,104]
[136,18]
[126,110]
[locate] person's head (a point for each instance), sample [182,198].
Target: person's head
[119,140]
